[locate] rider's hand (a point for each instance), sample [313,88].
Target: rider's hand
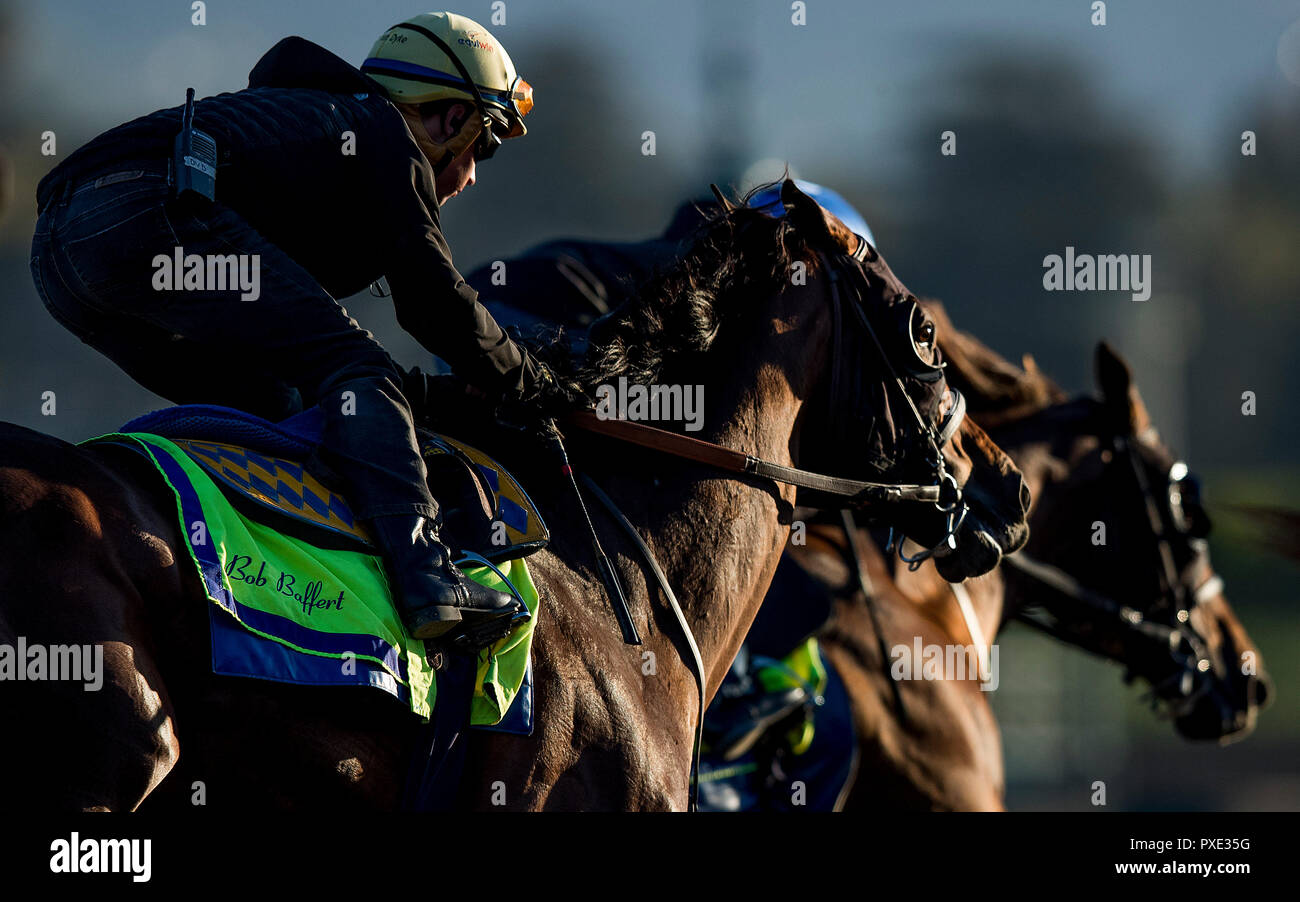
[549,396]
[553,396]
[442,401]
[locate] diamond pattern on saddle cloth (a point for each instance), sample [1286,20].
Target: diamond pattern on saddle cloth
[258,459]
[262,461]
[281,484]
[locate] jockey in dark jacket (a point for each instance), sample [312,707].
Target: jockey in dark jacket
[333,177]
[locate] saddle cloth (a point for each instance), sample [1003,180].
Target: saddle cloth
[298,594]
[485,510]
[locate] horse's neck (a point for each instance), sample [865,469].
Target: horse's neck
[1043,472]
[719,539]
[941,603]
[740,531]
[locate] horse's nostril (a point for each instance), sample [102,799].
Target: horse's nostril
[1025,497]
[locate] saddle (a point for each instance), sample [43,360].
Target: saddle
[270,472]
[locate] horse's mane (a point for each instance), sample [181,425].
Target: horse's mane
[996,390]
[735,255]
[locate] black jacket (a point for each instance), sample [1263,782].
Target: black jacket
[345,218]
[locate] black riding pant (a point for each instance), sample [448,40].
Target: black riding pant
[96,263]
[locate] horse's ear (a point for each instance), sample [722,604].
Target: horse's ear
[1118,393]
[813,222]
[723,200]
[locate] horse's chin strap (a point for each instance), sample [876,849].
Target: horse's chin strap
[854,492]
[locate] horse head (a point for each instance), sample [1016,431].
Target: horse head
[887,409]
[1123,522]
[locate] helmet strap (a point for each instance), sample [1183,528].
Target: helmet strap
[438,155]
[467,135]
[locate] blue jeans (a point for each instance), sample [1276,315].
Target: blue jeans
[93,261]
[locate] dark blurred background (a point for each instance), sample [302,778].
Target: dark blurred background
[1123,138]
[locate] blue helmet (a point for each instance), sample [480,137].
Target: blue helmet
[769,201]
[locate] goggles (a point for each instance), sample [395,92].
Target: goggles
[519,98]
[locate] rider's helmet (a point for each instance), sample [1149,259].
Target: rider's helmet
[445,56]
[769,201]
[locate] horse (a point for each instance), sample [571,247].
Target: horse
[92,549]
[964,769]
[1147,598]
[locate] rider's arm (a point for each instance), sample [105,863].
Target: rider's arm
[438,399]
[434,303]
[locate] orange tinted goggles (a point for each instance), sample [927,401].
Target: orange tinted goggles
[521,96]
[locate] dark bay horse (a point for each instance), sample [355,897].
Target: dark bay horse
[936,744]
[92,556]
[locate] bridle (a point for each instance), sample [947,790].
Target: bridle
[934,437]
[1185,646]
[943,493]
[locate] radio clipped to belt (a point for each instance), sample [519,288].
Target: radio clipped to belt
[194,157]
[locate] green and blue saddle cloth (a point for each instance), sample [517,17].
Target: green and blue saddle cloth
[297,594]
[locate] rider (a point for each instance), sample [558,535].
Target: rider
[570,282]
[326,178]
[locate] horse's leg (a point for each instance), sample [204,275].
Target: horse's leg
[105,740]
[251,744]
[946,755]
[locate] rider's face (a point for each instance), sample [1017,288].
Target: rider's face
[459,175]
[460,172]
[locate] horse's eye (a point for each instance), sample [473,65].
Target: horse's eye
[923,336]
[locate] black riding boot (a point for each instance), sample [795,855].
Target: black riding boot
[432,594]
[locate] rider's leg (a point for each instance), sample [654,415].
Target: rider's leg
[92,255]
[154,356]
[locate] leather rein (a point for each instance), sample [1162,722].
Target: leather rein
[854,492]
